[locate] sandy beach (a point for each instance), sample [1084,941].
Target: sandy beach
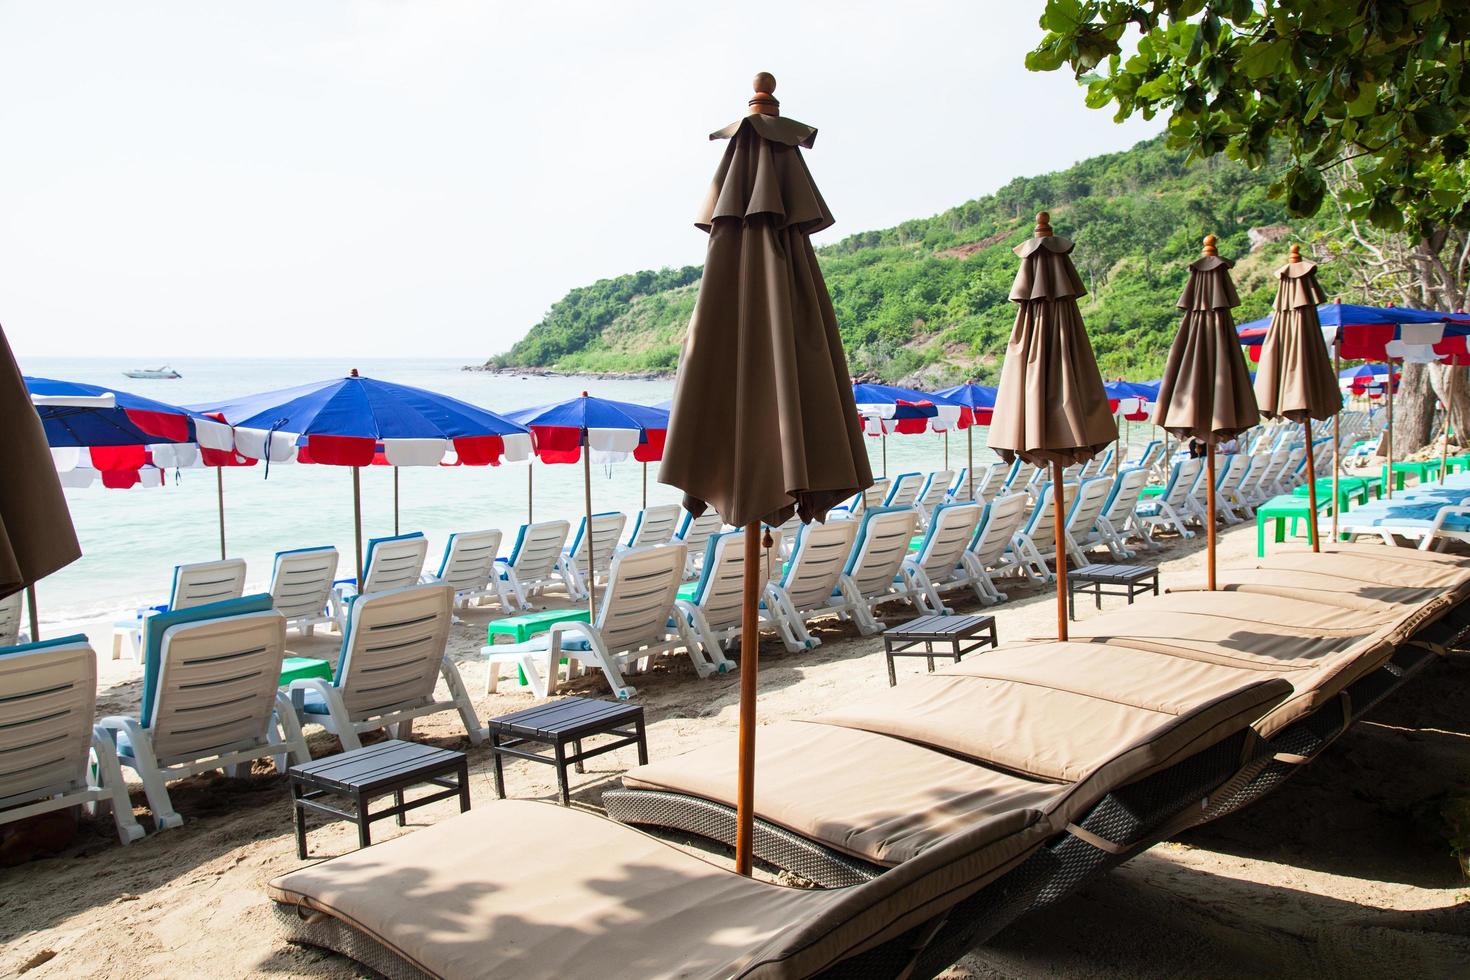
[1343,872]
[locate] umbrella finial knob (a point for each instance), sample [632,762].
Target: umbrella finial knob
[353,374]
[1296,253]
[1210,245]
[763,101]
[1043,224]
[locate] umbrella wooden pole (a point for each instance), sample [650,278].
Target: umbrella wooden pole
[395,500]
[1059,507]
[1312,486]
[1388,480]
[1336,447]
[1210,515]
[31,613]
[591,567]
[970,459]
[219,486]
[357,522]
[749,669]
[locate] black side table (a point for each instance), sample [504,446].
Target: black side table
[367,773]
[1128,580]
[920,637]
[562,723]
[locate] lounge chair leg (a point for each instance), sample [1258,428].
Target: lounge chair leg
[155,787]
[109,778]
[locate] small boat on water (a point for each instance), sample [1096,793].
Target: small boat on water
[158,372]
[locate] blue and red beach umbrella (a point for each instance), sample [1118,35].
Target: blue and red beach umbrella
[1367,379]
[1363,333]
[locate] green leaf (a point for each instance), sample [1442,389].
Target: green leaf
[1365,101]
[1062,16]
[1434,120]
[1044,59]
[1262,58]
[1305,190]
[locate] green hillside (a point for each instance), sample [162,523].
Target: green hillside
[925,302]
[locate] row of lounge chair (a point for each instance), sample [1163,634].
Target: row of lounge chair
[930,816]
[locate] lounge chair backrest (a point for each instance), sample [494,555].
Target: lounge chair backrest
[991,481]
[607,528]
[880,547]
[720,588]
[1123,496]
[1149,455]
[10,619]
[654,525]
[301,581]
[1040,526]
[694,532]
[959,487]
[817,559]
[1224,462]
[1086,504]
[207,581]
[1182,477]
[1018,475]
[217,683]
[934,490]
[999,523]
[904,491]
[469,560]
[394,562]
[393,647]
[951,529]
[783,535]
[642,585]
[1228,483]
[877,493]
[46,717]
[1072,474]
[537,548]
[155,627]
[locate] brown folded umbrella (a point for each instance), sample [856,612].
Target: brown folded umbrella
[1051,408]
[1294,379]
[36,534]
[1206,391]
[763,422]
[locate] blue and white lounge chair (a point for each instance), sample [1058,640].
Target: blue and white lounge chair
[194,585]
[871,575]
[1170,509]
[635,621]
[933,492]
[694,534]
[393,655]
[1084,508]
[51,755]
[904,491]
[937,565]
[10,633]
[1229,503]
[531,567]
[1148,457]
[990,552]
[860,502]
[210,698]
[468,567]
[1019,476]
[1035,540]
[653,525]
[959,487]
[391,563]
[714,607]
[805,587]
[601,542]
[1116,522]
[301,586]
[990,481]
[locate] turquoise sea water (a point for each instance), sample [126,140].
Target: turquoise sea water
[131,539]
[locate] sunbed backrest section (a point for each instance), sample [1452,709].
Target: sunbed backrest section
[393,648]
[1043,519]
[695,532]
[641,587]
[606,530]
[154,628]
[881,545]
[877,493]
[207,581]
[654,525]
[721,585]
[395,562]
[1182,480]
[949,534]
[217,684]
[538,546]
[1125,493]
[302,581]
[819,555]
[1090,497]
[469,559]
[992,480]
[1003,517]
[9,619]
[49,691]
[935,489]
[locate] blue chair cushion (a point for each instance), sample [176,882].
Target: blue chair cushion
[156,626]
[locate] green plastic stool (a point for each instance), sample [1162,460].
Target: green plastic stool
[1424,471]
[1282,509]
[1154,491]
[521,628]
[300,668]
[1350,489]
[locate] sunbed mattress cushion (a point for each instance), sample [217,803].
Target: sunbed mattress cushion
[877,798]
[524,889]
[1323,587]
[1378,564]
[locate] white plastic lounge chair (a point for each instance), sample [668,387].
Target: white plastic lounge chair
[1116,522]
[210,698]
[607,528]
[10,614]
[694,534]
[468,567]
[783,537]
[1035,539]
[393,653]
[635,621]
[905,490]
[871,576]
[805,587]
[990,551]
[933,492]
[990,481]
[51,756]
[937,564]
[713,607]
[1083,511]
[1168,510]
[391,563]
[1228,502]
[1150,455]
[959,487]
[194,585]
[531,566]
[1287,474]
[1019,476]
[1198,502]
[653,525]
[301,586]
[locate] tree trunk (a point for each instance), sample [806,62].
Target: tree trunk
[1418,397]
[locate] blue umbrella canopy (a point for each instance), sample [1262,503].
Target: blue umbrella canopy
[891,408]
[76,414]
[979,399]
[612,429]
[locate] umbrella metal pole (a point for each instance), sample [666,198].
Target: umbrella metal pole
[357,521]
[970,459]
[219,485]
[1210,515]
[395,500]
[645,486]
[1312,486]
[1059,506]
[529,489]
[1336,447]
[1444,453]
[946,449]
[591,567]
[1388,480]
[884,439]
[31,612]
[749,667]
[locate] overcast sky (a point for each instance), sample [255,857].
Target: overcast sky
[417,178]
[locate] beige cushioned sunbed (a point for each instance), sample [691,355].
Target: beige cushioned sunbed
[533,890]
